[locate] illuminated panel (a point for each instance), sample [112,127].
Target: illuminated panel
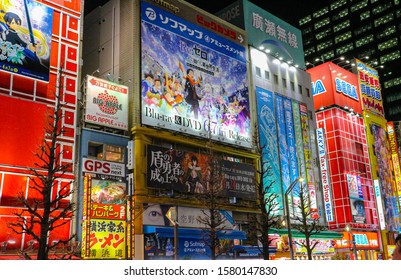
[193,80]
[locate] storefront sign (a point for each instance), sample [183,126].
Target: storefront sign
[103,167]
[379,205]
[364,240]
[107,211]
[325,177]
[106,103]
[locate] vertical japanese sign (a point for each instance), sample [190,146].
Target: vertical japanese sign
[368,79]
[292,150]
[106,103]
[104,210]
[395,159]
[325,176]
[194,81]
[307,153]
[282,138]
[386,178]
[25,38]
[268,140]
[379,204]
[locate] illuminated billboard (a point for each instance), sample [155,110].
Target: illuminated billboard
[192,172]
[194,81]
[333,85]
[369,85]
[106,103]
[25,38]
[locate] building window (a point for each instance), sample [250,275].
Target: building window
[337,4]
[343,37]
[323,34]
[321,12]
[329,55]
[381,8]
[322,23]
[392,83]
[389,57]
[258,72]
[275,77]
[364,40]
[388,44]
[341,14]
[310,114]
[309,51]
[345,48]
[300,89]
[307,92]
[267,75]
[364,15]
[106,152]
[324,45]
[359,5]
[304,20]
[363,29]
[284,82]
[386,32]
[342,25]
[292,85]
[384,19]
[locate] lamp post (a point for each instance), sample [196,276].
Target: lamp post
[287,210]
[348,229]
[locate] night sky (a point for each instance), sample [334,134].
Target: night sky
[288,10]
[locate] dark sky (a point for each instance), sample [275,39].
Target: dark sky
[288,10]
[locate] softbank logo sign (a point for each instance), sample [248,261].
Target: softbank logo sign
[318,87]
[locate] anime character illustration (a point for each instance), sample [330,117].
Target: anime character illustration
[194,176]
[25,38]
[192,97]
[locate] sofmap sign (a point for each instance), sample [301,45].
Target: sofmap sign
[325,175]
[196,85]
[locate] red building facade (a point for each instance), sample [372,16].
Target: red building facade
[28,84]
[341,125]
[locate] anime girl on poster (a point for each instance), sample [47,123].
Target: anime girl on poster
[25,38]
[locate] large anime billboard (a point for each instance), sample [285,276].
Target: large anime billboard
[193,80]
[25,38]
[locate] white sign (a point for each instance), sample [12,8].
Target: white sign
[189,217]
[106,103]
[103,167]
[325,177]
[379,203]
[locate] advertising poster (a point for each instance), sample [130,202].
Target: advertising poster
[354,186]
[193,80]
[292,149]
[106,103]
[25,38]
[269,141]
[358,210]
[369,85]
[283,147]
[395,157]
[386,178]
[106,239]
[191,172]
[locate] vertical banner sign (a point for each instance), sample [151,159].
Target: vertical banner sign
[395,158]
[325,176]
[368,79]
[283,148]
[292,150]
[269,141]
[386,178]
[379,202]
[25,38]
[194,81]
[307,152]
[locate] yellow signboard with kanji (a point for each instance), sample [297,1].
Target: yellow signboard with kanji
[107,239]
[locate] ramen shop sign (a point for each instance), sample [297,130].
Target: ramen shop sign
[103,167]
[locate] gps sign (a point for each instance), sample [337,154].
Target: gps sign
[103,167]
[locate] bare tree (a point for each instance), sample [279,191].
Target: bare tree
[306,221]
[51,207]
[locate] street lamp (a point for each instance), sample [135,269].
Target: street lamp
[348,229]
[287,210]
